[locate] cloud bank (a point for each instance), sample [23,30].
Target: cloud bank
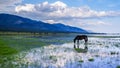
[8,5]
[59,12]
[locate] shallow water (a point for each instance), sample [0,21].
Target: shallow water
[105,53]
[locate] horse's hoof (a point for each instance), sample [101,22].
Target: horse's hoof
[86,47]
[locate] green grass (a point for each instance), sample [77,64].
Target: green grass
[80,50]
[21,43]
[5,49]
[10,45]
[15,43]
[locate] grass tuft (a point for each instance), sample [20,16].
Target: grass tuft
[118,67]
[113,53]
[80,50]
[91,59]
[80,61]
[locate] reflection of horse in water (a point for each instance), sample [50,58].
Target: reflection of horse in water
[80,37]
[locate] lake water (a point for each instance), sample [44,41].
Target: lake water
[59,53]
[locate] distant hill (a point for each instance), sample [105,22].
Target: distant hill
[15,23]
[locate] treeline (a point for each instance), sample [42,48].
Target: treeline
[31,33]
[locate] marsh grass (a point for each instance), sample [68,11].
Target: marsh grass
[118,66]
[117,45]
[91,59]
[11,45]
[20,43]
[5,49]
[113,53]
[81,61]
[80,50]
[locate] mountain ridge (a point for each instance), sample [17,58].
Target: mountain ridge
[9,22]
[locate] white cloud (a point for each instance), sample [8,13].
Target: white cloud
[49,21]
[61,13]
[59,4]
[60,10]
[26,7]
[98,23]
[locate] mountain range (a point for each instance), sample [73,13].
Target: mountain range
[9,22]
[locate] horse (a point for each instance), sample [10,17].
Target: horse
[80,37]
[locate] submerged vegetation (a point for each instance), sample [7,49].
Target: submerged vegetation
[11,45]
[20,43]
[80,50]
[5,49]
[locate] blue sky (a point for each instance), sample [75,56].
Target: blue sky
[93,15]
[94,4]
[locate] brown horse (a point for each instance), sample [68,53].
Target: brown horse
[80,37]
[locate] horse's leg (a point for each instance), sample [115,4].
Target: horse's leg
[74,46]
[74,43]
[86,42]
[86,45]
[77,43]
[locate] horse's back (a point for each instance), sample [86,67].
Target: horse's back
[82,36]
